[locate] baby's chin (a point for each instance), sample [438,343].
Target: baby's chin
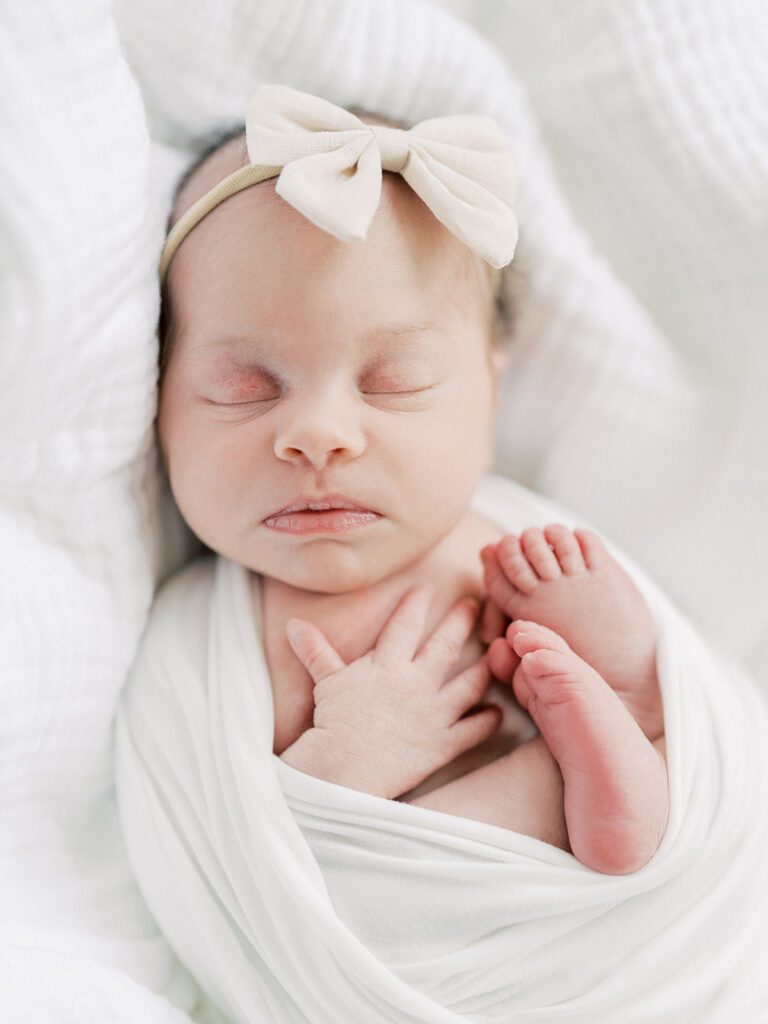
[333,571]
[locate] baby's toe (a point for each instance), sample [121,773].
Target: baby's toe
[525,637]
[592,548]
[566,548]
[502,660]
[501,590]
[493,621]
[515,564]
[539,553]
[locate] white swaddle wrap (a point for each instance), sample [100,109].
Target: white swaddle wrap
[296,900]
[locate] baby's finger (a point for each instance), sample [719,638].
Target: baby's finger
[466,688]
[502,660]
[312,649]
[444,646]
[476,727]
[403,629]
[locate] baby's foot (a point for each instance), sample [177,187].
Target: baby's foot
[567,580]
[615,782]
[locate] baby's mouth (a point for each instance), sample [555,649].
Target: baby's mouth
[327,513]
[331,520]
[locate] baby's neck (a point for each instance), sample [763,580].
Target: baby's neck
[370,595]
[447,565]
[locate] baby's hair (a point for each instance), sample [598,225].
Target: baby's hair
[503,320]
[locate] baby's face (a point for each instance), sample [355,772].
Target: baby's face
[303,365]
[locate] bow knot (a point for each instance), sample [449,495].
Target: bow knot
[330,165]
[393,146]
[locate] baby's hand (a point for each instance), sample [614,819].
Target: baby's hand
[386,721]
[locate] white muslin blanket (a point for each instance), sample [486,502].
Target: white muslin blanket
[292,899]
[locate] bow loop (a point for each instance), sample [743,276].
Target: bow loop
[338,190]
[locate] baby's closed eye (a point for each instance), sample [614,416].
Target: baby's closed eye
[266,391]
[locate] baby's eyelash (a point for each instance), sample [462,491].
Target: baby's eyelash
[250,401]
[402,391]
[254,401]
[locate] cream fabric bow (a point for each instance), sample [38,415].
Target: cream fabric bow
[329,165]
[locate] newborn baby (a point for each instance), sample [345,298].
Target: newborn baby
[299,370]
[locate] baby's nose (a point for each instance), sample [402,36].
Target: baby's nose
[318,434]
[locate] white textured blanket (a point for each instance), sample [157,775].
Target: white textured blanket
[294,899]
[636,394]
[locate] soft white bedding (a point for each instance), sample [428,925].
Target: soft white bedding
[635,393]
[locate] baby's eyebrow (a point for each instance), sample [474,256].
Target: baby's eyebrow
[250,344]
[399,329]
[254,344]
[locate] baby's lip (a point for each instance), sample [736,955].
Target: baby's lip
[320,503]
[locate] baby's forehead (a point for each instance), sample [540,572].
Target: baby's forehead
[462,270]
